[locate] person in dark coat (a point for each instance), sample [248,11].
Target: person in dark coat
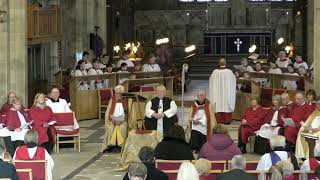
[146,155]
[7,170]
[174,146]
[238,165]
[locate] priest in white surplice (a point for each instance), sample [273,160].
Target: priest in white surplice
[161,112]
[222,92]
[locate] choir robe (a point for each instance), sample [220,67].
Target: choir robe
[127,61]
[151,68]
[35,153]
[14,120]
[200,133]
[5,107]
[95,84]
[299,64]
[262,81]
[254,121]
[39,117]
[302,147]
[115,135]
[82,85]
[299,113]
[275,71]
[290,85]
[283,63]
[222,94]
[169,109]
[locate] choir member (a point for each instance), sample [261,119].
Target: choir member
[312,125]
[299,62]
[258,69]
[152,66]
[6,106]
[80,71]
[161,112]
[123,69]
[252,120]
[282,61]
[289,84]
[245,67]
[116,121]
[202,120]
[31,152]
[109,69]
[86,59]
[43,122]
[274,69]
[137,67]
[222,85]
[302,71]
[98,83]
[104,62]
[125,59]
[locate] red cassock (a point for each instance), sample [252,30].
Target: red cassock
[13,121]
[5,108]
[254,121]
[39,117]
[298,113]
[311,107]
[22,153]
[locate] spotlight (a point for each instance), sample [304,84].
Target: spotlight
[287,49]
[280,40]
[190,48]
[116,49]
[162,41]
[252,48]
[134,49]
[188,14]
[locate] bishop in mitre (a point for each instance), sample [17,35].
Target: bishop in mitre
[222,92]
[312,127]
[116,121]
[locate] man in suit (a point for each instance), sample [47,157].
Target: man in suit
[238,165]
[7,170]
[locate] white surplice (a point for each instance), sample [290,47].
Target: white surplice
[290,85]
[283,64]
[128,62]
[297,65]
[269,130]
[82,85]
[265,162]
[168,113]
[94,85]
[151,68]
[275,71]
[222,90]
[202,127]
[19,136]
[119,111]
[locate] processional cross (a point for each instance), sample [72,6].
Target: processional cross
[238,43]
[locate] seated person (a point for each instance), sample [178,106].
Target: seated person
[312,163]
[137,171]
[245,67]
[161,112]
[174,146]
[187,171]
[289,84]
[258,69]
[152,66]
[236,74]
[116,121]
[274,69]
[238,168]
[125,59]
[203,167]
[137,67]
[252,120]
[123,69]
[299,62]
[282,170]
[98,83]
[311,100]
[7,170]
[219,146]
[104,61]
[283,61]
[30,151]
[86,59]
[202,119]
[277,144]
[146,156]
[6,106]
[80,71]
[286,102]
[109,69]
[302,71]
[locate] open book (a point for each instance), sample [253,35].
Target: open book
[25,125]
[288,122]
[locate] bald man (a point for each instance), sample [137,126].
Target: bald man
[161,112]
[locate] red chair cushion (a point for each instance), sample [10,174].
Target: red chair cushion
[218,165]
[172,176]
[147,88]
[105,96]
[64,119]
[251,165]
[38,169]
[266,97]
[168,165]
[66,132]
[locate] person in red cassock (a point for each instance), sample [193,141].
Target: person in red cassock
[6,106]
[311,97]
[42,117]
[252,120]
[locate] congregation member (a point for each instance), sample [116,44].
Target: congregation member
[43,122]
[222,94]
[202,120]
[152,66]
[161,112]
[8,104]
[313,162]
[98,83]
[80,71]
[283,61]
[146,156]
[86,59]
[116,121]
[283,170]
[137,171]
[220,146]
[187,171]
[274,69]
[7,170]
[278,153]
[299,62]
[312,125]
[252,120]
[290,84]
[31,151]
[125,59]
[203,167]
[174,146]
[238,170]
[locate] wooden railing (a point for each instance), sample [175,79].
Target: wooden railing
[44,23]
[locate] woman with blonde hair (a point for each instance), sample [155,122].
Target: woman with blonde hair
[203,167]
[43,122]
[187,171]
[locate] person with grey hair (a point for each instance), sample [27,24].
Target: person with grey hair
[238,168]
[137,171]
[278,153]
[313,162]
[7,170]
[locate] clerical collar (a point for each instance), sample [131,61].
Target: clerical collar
[31,145]
[53,100]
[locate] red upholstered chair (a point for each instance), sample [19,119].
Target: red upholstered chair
[251,165]
[146,88]
[169,164]
[214,173]
[24,174]
[104,96]
[219,165]
[65,128]
[38,167]
[172,174]
[266,97]
[279,91]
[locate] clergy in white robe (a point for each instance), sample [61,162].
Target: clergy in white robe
[98,83]
[161,112]
[222,92]
[116,121]
[152,66]
[299,62]
[80,71]
[282,61]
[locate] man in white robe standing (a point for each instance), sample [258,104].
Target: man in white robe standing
[222,92]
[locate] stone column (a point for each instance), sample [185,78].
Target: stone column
[13,49]
[314,43]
